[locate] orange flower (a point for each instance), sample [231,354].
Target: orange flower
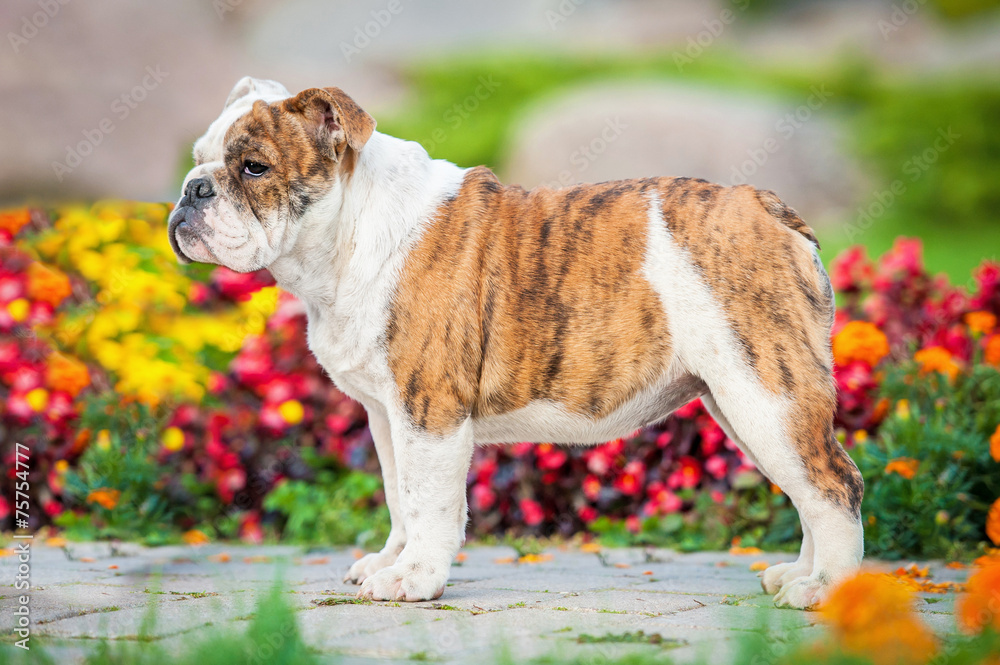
[745,551]
[47,284]
[977,608]
[194,537]
[66,374]
[904,466]
[980,322]
[860,340]
[993,523]
[14,220]
[937,359]
[992,355]
[872,615]
[107,498]
[995,445]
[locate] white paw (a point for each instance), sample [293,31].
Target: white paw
[370,564]
[406,581]
[781,574]
[804,593]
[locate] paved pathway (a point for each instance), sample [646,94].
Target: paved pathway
[705,600]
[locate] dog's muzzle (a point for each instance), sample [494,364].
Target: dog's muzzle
[188,217]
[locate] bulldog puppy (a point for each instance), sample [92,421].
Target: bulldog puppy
[460,311]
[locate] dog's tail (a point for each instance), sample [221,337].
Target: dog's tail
[787,216]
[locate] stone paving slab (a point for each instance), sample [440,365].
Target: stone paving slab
[704,601]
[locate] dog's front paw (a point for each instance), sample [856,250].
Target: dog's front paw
[804,593]
[370,564]
[406,581]
[780,574]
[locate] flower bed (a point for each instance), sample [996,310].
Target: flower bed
[161,399]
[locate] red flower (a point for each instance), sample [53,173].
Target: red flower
[851,270]
[591,487]
[587,513]
[532,512]
[687,475]
[483,497]
[629,482]
[550,458]
[633,524]
[717,466]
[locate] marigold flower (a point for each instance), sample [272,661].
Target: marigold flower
[195,537]
[937,359]
[47,284]
[981,323]
[37,399]
[66,374]
[19,309]
[173,439]
[905,466]
[14,220]
[105,497]
[992,353]
[872,615]
[860,340]
[104,439]
[993,523]
[977,609]
[292,411]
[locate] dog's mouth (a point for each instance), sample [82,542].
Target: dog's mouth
[183,224]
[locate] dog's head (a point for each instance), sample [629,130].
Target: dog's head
[259,168]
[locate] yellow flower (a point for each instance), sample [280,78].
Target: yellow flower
[872,615]
[980,323]
[37,399]
[105,497]
[905,466]
[292,411]
[104,439]
[903,409]
[62,466]
[937,359]
[173,439]
[18,309]
[860,340]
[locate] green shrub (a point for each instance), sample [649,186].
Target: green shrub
[945,428]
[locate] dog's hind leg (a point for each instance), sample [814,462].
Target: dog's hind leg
[779,574]
[792,442]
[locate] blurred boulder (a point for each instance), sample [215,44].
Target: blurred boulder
[611,131]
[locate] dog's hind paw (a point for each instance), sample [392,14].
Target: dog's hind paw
[804,593]
[368,565]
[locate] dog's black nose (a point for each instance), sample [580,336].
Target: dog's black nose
[200,188]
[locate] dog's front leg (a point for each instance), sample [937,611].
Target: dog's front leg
[431,472]
[369,564]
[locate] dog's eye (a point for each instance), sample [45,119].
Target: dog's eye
[254,169]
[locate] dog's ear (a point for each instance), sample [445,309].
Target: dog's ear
[336,118]
[257,87]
